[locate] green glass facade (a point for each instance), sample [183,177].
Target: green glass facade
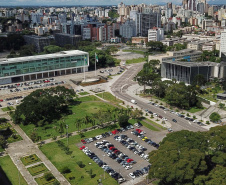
[42,65]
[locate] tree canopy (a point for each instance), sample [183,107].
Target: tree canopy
[187,157]
[215,117]
[43,105]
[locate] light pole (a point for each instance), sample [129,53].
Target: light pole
[104,170]
[67,134]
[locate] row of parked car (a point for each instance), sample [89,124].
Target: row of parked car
[132,146]
[115,154]
[176,113]
[107,134]
[140,172]
[102,164]
[12,98]
[144,138]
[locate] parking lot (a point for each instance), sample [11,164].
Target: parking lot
[140,161]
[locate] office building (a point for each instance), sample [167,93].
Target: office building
[223,42]
[43,66]
[187,71]
[144,22]
[63,39]
[38,42]
[155,34]
[128,29]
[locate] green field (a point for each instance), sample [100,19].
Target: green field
[88,98]
[134,51]
[156,124]
[78,111]
[11,171]
[27,160]
[109,97]
[83,93]
[136,60]
[5,109]
[37,169]
[81,175]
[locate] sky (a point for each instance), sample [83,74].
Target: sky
[90,2]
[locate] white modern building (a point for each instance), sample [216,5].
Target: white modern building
[155,34]
[223,42]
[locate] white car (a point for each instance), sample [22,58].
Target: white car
[195,121]
[132,175]
[164,119]
[91,139]
[155,114]
[127,167]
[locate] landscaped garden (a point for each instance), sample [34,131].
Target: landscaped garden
[27,160]
[78,174]
[37,169]
[11,171]
[9,108]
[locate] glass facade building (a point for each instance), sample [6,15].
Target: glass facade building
[67,60]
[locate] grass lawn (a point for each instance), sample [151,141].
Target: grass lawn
[27,160]
[136,60]
[42,181]
[134,51]
[78,111]
[109,97]
[117,61]
[37,169]
[11,171]
[156,124]
[194,110]
[8,108]
[88,98]
[132,121]
[83,93]
[81,175]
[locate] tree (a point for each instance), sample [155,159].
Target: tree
[43,104]
[123,120]
[221,105]
[199,80]
[113,14]
[215,117]
[48,176]
[187,157]
[52,49]
[2,141]
[136,114]
[65,169]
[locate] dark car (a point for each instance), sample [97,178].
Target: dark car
[174,120]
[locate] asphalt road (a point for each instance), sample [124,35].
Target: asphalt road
[120,87]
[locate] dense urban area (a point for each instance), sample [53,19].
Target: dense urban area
[113,94]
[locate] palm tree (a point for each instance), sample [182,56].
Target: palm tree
[78,123]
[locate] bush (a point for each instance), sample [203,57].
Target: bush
[65,170]
[48,176]
[123,120]
[54,137]
[80,164]
[207,122]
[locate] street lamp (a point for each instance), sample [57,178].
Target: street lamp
[67,134]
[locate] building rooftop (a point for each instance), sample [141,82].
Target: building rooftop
[68,35]
[222,94]
[193,64]
[38,57]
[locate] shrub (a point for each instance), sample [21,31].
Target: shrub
[65,169]
[48,176]
[207,122]
[54,137]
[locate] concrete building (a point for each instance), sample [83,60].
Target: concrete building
[223,42]
[208,46]
[188,55]
[155,34]
[187,71]
[43,66]
[139,40]
[144,22]
[38,42]
[63,39]
[128,29]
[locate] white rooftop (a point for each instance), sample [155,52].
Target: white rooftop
[46,56]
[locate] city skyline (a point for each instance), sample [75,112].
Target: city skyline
[93,2]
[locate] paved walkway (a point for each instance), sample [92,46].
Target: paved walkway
[26,147]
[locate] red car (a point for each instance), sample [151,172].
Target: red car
[111,148]
[82,147]
[83,141]
[116,151]
[139,130]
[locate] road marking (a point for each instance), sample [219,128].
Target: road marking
[189,122]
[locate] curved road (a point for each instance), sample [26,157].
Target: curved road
[120,87]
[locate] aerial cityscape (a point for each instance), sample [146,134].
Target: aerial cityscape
[111,92]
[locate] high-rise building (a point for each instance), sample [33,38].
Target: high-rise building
[144,22]
[192,5]
[223,42]
[169,5]
[128,29]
